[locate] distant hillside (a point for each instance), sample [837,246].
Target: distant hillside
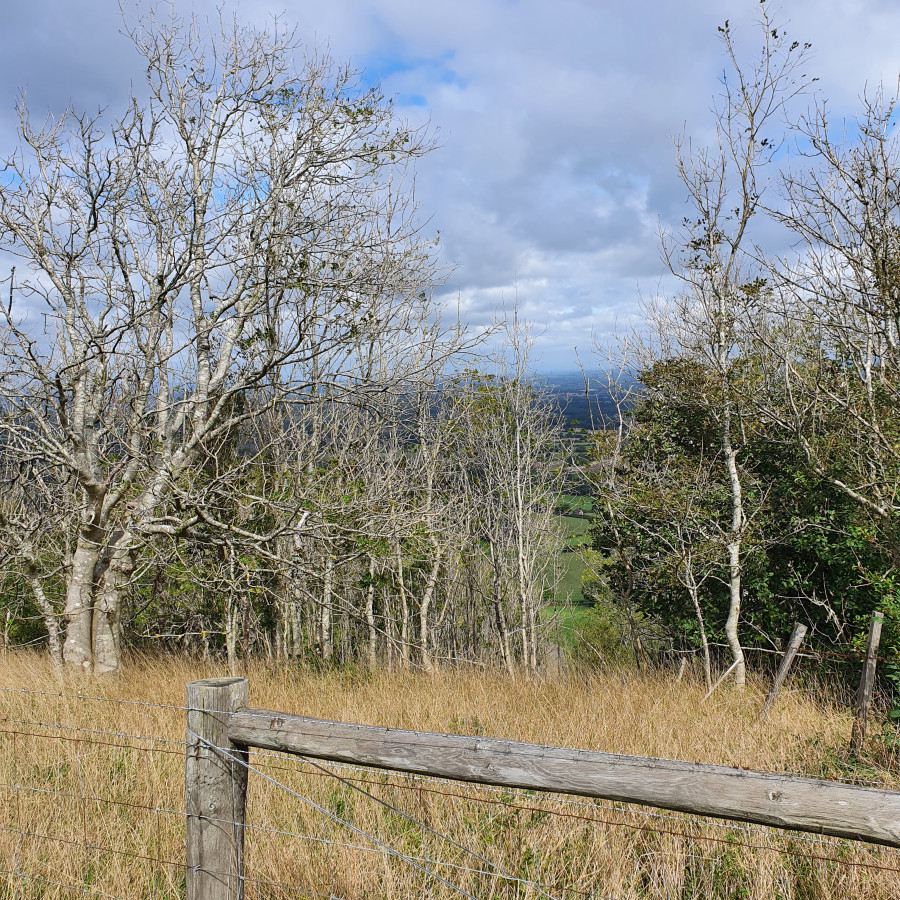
[580,407]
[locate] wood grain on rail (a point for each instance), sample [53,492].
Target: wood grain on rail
[801,804]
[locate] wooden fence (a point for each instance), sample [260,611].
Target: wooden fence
[221,729]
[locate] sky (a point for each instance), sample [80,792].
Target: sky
[556,168]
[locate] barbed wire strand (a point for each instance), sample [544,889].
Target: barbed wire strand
[266,755]
[505,804]
[280,832]
[69,887]
[166,862]
[236,758]
[818,857]
[698,822]
[484,788]
[63,727]
[546,797]
[641,828]
[388,850]
[427,828]
[264,714]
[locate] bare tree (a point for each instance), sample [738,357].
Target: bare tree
[830,323]
[706,321]
[236,240]
[517,472]
[35,520]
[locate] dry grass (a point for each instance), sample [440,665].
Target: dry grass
[99,809]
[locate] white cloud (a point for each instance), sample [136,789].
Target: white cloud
[555,120]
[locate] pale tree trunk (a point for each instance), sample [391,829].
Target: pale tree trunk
[424,609]
[298,627]
[51,621]
[686,564]
[404,628]
[734,541]
[532,638]
[523,616]
[404,609]
[281,627]
[327,625]
[390,640]
[436,624]
[372,644]
[695,599]
[278,636]
[232,620]
[499,616]
[734,612]
[231,633]
[503,634]
[724,341]
[707,320]
[524,570]
[472,613]
[300,638]
[106,626]
[527,605]
[295,624]
[80,600]
[310,612]
[346,646]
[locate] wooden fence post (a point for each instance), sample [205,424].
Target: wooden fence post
[784,666]
[215,791]
[866,685]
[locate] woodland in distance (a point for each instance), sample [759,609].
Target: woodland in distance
[234,422]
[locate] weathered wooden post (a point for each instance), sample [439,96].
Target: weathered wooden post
[215,791]
[866,685]
[784,666]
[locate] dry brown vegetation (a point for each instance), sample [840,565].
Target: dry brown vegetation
[92,791]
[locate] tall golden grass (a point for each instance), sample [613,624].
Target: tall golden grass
[91,791]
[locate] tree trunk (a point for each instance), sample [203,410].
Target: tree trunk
[231,633]
[523,623]
[738,519]
[328,611]
[309,609]
[532,638]
[404,629]
[372,645]
[296,645]
[427,597]
[80,600]
[707,665]
[51,623]
[734,612]
[734,561]
[404,610]
[499,616]
[106,627]
[390,639]
[346,642]
[503,633]
[527,605]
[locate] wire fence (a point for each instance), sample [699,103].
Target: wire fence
[92,804]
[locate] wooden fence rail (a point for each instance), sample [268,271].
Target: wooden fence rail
[802,804]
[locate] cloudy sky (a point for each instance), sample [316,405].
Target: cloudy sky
[555,120]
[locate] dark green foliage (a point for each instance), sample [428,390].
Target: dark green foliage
[811,553]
